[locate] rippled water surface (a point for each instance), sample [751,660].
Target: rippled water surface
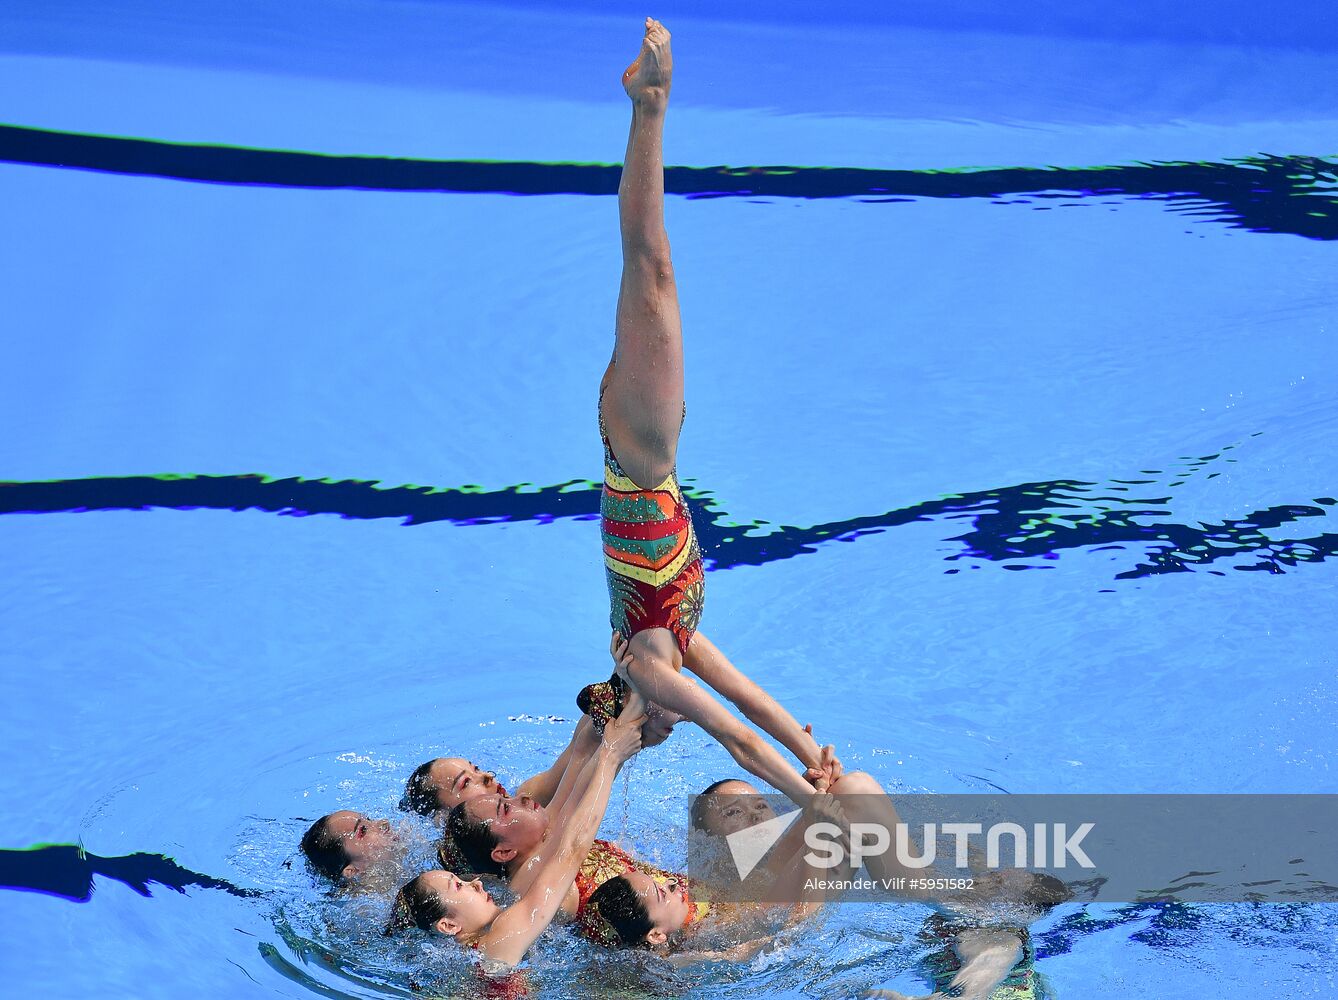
[1011,441]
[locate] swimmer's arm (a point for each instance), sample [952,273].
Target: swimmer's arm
[746,951]
[575,777]
[520,924]
[706,661]
[660,683]
[543,786]
[584,742]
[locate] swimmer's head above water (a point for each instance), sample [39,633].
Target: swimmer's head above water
[441,902]
[492,830]
[346,845]
[440,785]
[643,912]
[729,806]
[659,725]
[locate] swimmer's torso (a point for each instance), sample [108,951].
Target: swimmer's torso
[652,561]
[606,860]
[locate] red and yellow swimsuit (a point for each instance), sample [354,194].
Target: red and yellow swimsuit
[651,559]
[605,861]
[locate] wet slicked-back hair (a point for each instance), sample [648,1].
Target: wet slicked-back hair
[416,905]
[475,840]
[623,910]
[697,814]
[420,795]
[325,850]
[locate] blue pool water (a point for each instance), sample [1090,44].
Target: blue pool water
[1013,446]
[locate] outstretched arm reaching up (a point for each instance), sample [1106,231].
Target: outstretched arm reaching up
[544,785]
[520,924]
[584,743]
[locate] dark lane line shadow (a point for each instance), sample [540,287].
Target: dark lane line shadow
[1263,194]
[67,870]
[1021,527]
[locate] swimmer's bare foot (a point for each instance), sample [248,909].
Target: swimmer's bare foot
[647,79]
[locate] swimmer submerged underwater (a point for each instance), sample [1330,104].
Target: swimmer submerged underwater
[1011,325]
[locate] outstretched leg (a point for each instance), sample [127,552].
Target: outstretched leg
[864,800]
[643,387]
[642,407]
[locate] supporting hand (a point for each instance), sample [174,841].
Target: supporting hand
[829,767]
[622,736]
[621,651]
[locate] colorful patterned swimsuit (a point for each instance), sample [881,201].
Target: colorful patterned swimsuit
[605,861]
[651,560]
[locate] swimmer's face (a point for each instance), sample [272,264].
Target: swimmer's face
[367,842]
[518,823]
[666,904]
[735,806]
[457,780]
[659,724]
[467,906]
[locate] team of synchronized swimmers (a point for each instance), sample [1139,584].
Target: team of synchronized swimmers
[542,840]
